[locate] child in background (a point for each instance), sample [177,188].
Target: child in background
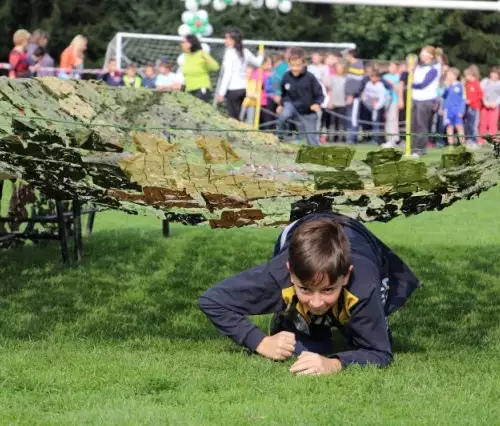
[488,122]
[34,61]
[373,98]
[247,113]
[266,91]
[474,100]
[19,66]
[317,67]
[166,79]
[331,61]
[112,75]
[302,97]
[149,79]
[392,108]
[337,102]
[454,106]
[131,79]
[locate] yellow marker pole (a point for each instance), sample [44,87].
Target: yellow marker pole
[411,64]
[259,92]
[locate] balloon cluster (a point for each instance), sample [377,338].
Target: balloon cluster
[195,21]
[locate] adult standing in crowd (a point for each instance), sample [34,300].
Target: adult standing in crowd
[196,68]
[234,66]
[72,57]
[424,94]
[40,38]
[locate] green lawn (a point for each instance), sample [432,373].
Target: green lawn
[120,341]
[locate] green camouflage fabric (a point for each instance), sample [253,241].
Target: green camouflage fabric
[173,156]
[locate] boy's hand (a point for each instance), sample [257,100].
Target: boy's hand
[277,99]
[279,110]
[311,364]
[349,100]
[401,105]
[278,347]
[315,108]
[220,99]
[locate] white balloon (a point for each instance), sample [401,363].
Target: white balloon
[219,5]
[191,5]
[257,4]
[209,30]
[202,14]
[184,30]
[205,2]
[205,47]
[187,16]
[285,6]
[244,2]
[272,4]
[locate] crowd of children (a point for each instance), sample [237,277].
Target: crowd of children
[328,99]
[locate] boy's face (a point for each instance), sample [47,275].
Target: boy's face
[374,78]
[320,300]
[164,69]
[393,69]
[297,66]
[469,76]
[112,66]
[451,77]
[331,60]
[316,59]
[131,71]
[149,71]
[494,76]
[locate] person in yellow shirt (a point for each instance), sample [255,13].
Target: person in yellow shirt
[249,104]
[196,68]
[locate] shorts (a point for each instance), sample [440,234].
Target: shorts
[453,119]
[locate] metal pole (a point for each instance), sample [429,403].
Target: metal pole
[492,6]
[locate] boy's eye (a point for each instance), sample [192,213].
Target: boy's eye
[329,290]
[304,289]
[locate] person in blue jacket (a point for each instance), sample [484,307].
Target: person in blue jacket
[327,271]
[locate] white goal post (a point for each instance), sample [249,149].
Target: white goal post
[142,49]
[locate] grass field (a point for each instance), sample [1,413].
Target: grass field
[120,340]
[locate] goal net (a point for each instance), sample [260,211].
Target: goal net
[143,49]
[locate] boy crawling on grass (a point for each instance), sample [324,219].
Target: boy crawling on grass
[327,271]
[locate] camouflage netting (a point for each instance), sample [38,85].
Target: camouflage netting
[171,155]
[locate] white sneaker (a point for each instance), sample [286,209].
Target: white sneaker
[415,155]
[389,145]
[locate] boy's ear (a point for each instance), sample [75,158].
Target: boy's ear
[347,276]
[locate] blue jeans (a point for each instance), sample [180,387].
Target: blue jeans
[472,124]
[308,123]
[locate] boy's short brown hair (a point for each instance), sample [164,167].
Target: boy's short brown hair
[21,36]
[297,53]
[319,248]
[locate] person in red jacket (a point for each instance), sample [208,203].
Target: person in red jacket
[474,99]
[18,58]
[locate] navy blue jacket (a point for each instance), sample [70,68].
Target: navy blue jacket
[360,312]
[302,91]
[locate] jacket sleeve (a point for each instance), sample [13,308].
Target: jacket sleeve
[227,71]
[369,333]
[367,327]
[250,58]
[428,79]
[317,91]
[252,292]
